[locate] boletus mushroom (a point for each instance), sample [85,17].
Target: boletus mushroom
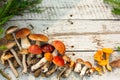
[25,44]
[78,66]
[87,65]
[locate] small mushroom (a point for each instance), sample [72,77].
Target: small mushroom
[24,52]
[10,46]
[11,30]
[78,66]
[25,44]
[59,48]
[47,57]
[34,50]
[38,38]
[87,65]
[37,73]
[90,71]
[7,57]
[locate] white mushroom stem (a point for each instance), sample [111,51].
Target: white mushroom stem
[16,57]
[16,41]
[39,64]
[38,43]
[55,53]
[13,69]
[84,69]
[25,43]
[78,67]
[24,64]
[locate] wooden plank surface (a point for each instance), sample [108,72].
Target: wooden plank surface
[81,35]
[73,9]
[83,25]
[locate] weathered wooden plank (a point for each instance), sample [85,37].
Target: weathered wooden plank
[86,56]
[71,9]
[81,35]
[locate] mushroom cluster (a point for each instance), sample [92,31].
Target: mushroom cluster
[33,53]
[102,57]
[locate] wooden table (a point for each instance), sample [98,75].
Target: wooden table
[83,25]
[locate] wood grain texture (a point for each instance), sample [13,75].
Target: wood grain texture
[71,9]
[81,35]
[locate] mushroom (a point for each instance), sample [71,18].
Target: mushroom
[10,46]
[59,61]
[38,38]
[66,60]
[115,63]
[90,71]
[59,48]
[34,50]
[47,48]
[7,57]
[108,52]
[25,44]
[78,66]
[47,57]
[99,70]
[24,52]
[11,30]
[87,65]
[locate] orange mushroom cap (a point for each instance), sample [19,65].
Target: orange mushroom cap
[98,55]
[58,61]
[48,56]
[35,49]
[59,46]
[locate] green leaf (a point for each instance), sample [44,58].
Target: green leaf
[116,11]
[1,32]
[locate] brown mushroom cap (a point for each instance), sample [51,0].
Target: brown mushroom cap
[59,46]
[11,29]
[22,33]
[10,45]
[7,56]
[88,64]
[38,37]
[79,60]
[23,51]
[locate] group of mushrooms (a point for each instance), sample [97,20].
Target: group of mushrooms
[33,53]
